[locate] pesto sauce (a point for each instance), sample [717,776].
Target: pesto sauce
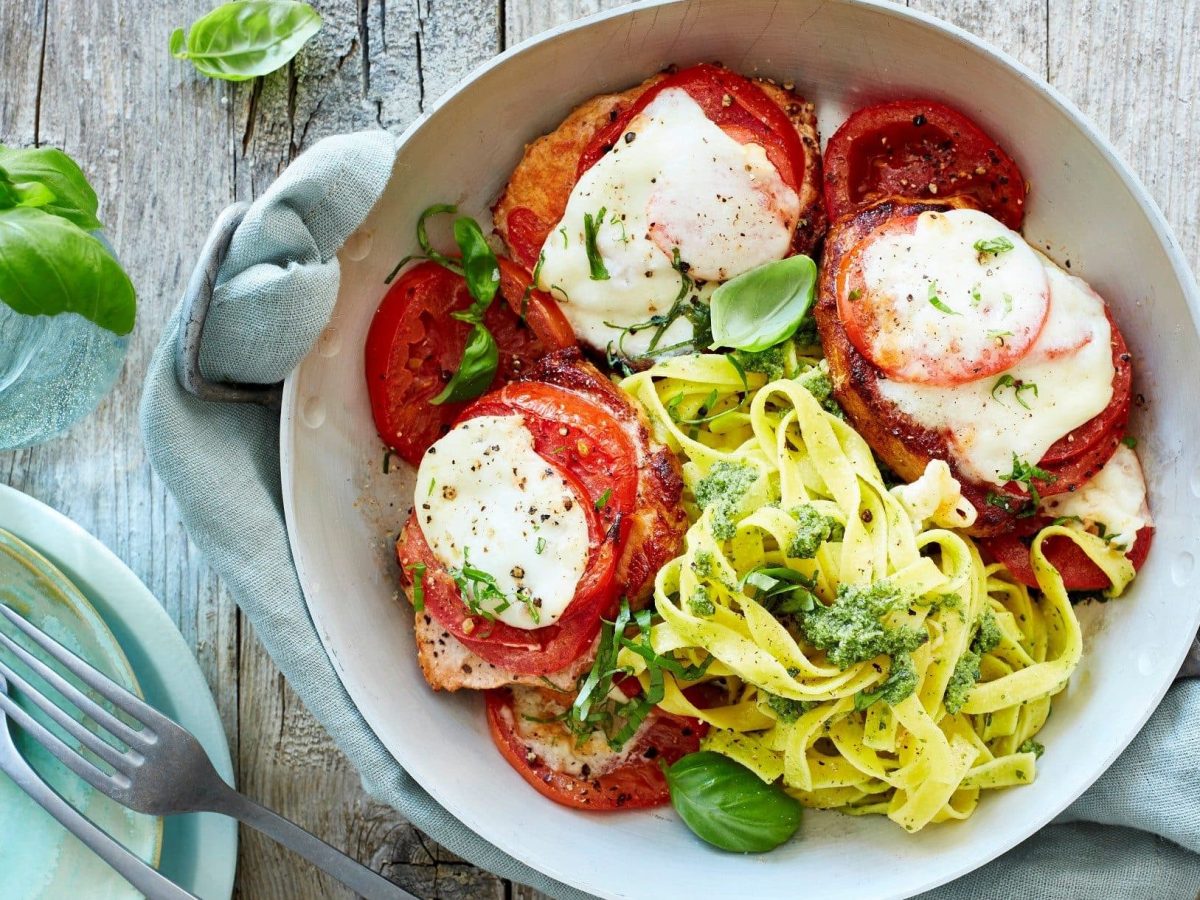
[901,682]
[813,529]
[786,709]
[722,490]
[851,629]
[966,670]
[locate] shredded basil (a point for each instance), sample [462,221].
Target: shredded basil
[986,247]
[1024,473]
[595,261]
[417,571]
[938,303]
[1018,386]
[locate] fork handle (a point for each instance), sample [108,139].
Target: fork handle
[363,881]
[132,868]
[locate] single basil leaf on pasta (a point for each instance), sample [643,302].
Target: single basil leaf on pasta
[764,306]
[479,263]
[38,171]
[475,372]
[729,806]
[49,266]
[242,40]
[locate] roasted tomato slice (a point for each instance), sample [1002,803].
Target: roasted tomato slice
[588,447]
[735,104]
[1073,445]
[881,321]
[526,234]
[921,150]
[1080,454]
[595,777]
[413,346]
[1078,572]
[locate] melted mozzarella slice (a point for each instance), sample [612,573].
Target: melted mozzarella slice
[936,297]
[485,495]
[675,182]
[1114,498]
[1067,378]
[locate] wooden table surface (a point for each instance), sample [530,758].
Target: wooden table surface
[167,149]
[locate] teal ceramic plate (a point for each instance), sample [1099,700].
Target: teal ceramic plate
[199,852]
[52,861]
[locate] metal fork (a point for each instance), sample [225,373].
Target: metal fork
[132,868]
[162,771]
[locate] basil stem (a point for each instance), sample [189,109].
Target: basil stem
[476,371]
[242,40]
[730,807]
[423,237]
[760,308]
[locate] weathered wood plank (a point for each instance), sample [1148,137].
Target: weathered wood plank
[143,129]
[525,18]
[1134,68]
[1018,27]
[22,38]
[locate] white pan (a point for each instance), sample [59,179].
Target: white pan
[343,512]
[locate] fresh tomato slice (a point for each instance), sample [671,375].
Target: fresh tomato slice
[920,149]
[414,345]
[637,782]
[1078,572]
[735,104]
[588,447]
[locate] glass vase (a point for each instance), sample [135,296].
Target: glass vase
[54,370]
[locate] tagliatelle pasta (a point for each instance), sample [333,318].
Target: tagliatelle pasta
[916,733]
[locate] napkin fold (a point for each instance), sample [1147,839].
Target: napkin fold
[1135,834]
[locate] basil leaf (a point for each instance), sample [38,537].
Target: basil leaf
[72,197]
[764,306]
[28,193]
[730,807]
[242,40]
[479,264]
[50,266]
[475,372]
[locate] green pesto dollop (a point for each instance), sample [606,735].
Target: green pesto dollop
[722,490]
[772,362]
[785,708]
[987,634]
[818,383]
[700,603]
[703,564]
[851,629]
[899,685]
[813,529]
[966,670]
[1032,746]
